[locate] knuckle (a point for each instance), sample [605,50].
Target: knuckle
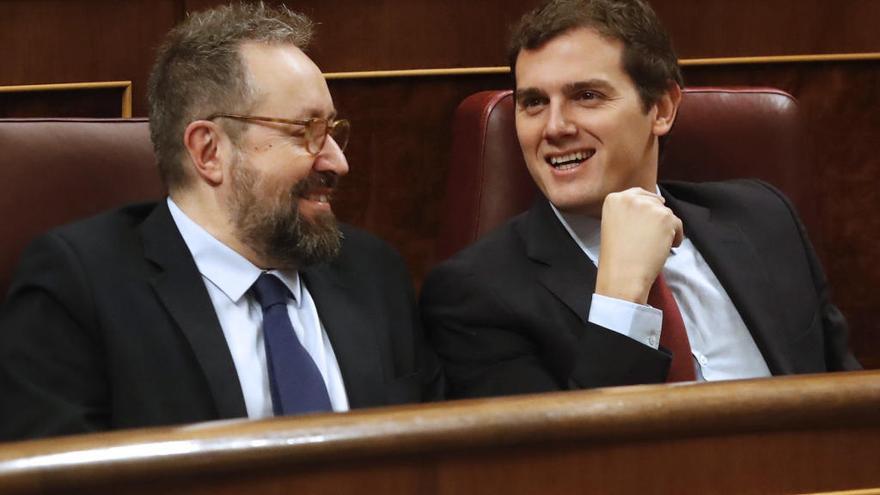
[613,198]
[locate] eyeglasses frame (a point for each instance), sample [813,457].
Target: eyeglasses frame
[330,125]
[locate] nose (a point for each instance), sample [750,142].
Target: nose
[331,158]
[558,125]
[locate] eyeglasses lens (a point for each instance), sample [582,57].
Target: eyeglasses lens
[340,132]
[317,131]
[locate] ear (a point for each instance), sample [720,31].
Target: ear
[204,141]
[667,109]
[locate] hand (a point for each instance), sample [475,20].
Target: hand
[638,231]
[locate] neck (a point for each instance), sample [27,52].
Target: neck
[208,213]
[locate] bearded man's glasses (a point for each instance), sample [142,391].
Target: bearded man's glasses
[314,130]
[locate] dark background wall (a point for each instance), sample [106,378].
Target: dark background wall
[399,151]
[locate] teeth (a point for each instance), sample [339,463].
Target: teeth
[576,158]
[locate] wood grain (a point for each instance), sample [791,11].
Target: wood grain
[792,434]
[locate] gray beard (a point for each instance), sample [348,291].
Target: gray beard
[274,228]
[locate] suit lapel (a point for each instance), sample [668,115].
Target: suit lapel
[350,333]
[738,266]
[181,290]
[562,266]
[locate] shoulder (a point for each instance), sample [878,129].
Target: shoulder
[358,241]
[365,256]
[759,210]
[740,200]
[101,237]
[497,260]
[104,231]
[740,192]
[493,252]
[71,260]
[362,246]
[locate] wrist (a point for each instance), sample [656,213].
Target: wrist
[634,289]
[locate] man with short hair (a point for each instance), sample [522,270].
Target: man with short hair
[610,279]
[239,295]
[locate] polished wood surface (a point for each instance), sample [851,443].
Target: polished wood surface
[686,62]
[716,28]
[793,434]
[44,41]
[395,34]
[93,94]
[98,103]
[62,41]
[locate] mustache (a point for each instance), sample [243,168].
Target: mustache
[316,180]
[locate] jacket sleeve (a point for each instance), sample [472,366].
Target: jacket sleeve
[835,331]
[51,362]
[492,347]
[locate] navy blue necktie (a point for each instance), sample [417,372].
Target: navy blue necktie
[295,381]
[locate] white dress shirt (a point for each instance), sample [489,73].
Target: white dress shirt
[722,347]
[228,277]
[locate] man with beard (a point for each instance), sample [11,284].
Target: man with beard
[239,295]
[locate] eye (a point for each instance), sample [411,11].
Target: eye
[296,131]
[587,95]
[532,104]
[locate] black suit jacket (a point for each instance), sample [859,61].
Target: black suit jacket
[508,314]
[108,325]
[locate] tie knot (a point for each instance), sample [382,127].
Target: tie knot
[270,290]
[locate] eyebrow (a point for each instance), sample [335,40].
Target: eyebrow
[316,112]
[568,88]
[525,93]
[597,84]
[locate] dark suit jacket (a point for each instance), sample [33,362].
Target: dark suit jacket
[108,325]
[508,314]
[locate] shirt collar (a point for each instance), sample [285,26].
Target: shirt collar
[585,230]
[222,266]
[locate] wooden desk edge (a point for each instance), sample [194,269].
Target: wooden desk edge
[834,401]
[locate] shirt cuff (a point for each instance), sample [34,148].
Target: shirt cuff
[636,321]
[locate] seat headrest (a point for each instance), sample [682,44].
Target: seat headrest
[53,171]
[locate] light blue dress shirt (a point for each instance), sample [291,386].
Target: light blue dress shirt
[722,347]
[228,276]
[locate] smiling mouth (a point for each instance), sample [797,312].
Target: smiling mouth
[318,197]
[570,160]
[318,187]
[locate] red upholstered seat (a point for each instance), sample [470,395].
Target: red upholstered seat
[53,171]
[720,133]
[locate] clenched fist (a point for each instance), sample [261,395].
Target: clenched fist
[638,231]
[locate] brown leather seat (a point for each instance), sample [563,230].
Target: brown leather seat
[53,171]
[720,133]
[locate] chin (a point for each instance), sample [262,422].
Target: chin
[575,203]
